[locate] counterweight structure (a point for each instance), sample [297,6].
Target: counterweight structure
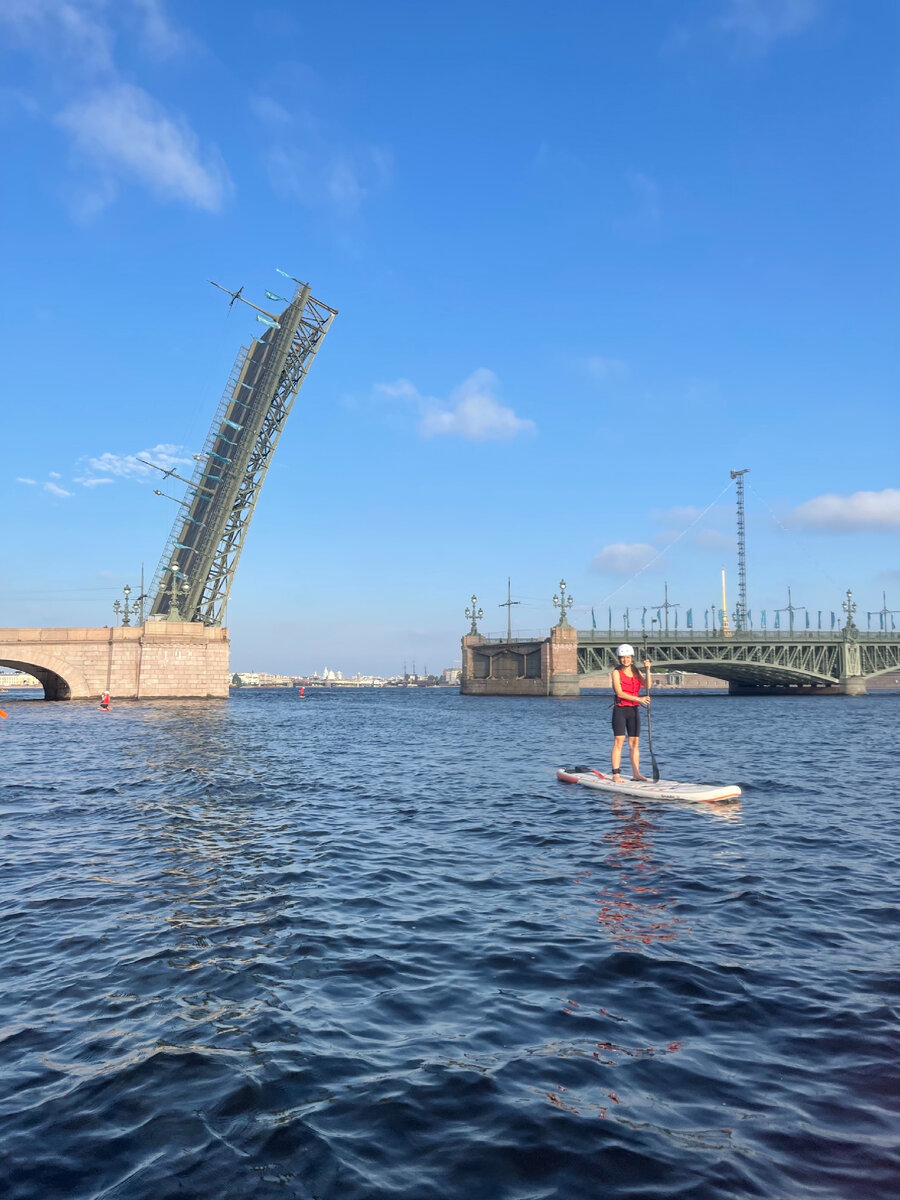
[196,571]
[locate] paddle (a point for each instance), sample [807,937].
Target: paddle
[650,731]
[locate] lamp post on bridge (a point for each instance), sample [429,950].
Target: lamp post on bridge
[562,602]
[176,593]
[849,607]
[126,610]
[474,614]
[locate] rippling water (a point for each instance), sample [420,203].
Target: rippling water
[364,945]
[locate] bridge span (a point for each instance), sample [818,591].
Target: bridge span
[779,662]
[175,659]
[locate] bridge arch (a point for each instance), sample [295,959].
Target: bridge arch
[59,679]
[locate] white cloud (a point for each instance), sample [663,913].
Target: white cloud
[401,389]
[765,21]
[751,27]
[56,490]
[54,474]
[116,127]
[308,162]
[319,176]
[88,200]
[471,412]
[269,111]
[32,482]
[714,541]
[847,514]
[61,29]
[128,466]
[160,37]
[605,369]
[82,31]
[475,413]
[124,130]
[624,558]
[679,515]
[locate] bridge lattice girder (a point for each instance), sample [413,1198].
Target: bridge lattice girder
[197,568]
[748,659]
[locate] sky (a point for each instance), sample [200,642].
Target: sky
[586,263]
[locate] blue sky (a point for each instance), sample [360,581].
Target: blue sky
[586,260]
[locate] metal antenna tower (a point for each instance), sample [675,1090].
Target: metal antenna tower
[507,604]
[741,607]
[790,608]
[196,570]
[666,605]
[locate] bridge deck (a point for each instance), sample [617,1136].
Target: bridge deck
[778,658]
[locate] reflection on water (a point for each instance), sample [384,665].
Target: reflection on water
[367,946]
[632,909]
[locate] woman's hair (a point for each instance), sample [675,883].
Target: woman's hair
[635,668]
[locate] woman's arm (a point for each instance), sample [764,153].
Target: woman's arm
[648,683]
[617,686]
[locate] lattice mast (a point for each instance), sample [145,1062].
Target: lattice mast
[741,609]
[197,567]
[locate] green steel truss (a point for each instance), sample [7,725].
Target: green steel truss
[753,659]
[197,567]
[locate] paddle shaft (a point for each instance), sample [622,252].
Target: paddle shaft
[650,730]
[650,741]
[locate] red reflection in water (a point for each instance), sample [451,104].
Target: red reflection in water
[625,911]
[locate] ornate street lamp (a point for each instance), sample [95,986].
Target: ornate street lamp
[177,593]
[849,607]
[127,610]
[562,602]
[473,615]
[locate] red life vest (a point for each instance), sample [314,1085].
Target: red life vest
[630,684]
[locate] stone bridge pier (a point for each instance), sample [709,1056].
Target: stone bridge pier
[159,659]
[543,667]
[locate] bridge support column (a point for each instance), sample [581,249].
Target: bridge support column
[853,685]
[563,662]
[467,674]
[851,682]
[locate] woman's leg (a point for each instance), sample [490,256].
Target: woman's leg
[634,752]
[616,756]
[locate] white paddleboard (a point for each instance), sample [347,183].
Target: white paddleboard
[664,789]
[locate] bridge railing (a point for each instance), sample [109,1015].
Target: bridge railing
[518,635]
[636,636]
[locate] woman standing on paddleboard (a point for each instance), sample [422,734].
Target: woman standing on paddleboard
[627,682]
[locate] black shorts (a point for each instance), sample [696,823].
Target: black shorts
[626,720]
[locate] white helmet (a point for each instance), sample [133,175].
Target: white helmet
[624,649]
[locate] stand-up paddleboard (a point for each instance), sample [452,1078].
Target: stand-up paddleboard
[664,789]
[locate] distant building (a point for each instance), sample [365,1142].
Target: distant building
[17,679]
[260,679]
[451,674]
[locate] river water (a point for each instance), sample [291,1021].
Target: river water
[364,945]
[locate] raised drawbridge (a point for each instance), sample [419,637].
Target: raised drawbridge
[197,567]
